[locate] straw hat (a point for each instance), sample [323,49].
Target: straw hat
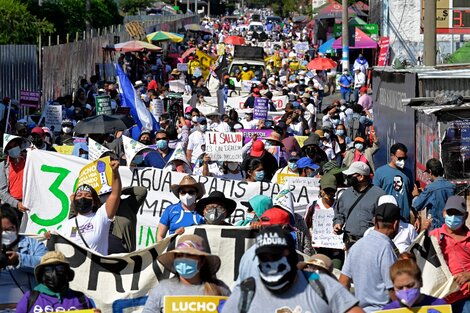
[188,181]
[192,245]
[50,258]
[175,72]
[319,260]
[274,136]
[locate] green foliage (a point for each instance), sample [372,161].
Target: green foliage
[132,6]
[18,26]
[69,16]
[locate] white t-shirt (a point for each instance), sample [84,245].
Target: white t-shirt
[196,141]
[249,124]
[405,237]
[94,228]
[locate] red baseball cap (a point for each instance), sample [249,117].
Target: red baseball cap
[257,149]
[37,130]
[275,216]
[363,89]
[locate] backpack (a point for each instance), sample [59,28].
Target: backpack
[355,127]
[34,294]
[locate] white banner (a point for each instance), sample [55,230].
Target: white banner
[121,282]
[224,146]
[238,102]
[49,179]
[322,235]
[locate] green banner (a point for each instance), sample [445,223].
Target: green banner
[368,29]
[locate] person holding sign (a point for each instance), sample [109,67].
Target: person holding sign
[195,271]
[90,226]
[182,214]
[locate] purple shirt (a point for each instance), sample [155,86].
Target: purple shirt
[46,303]
[365,101]
[427,300]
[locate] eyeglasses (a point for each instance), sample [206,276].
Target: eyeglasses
[189,192]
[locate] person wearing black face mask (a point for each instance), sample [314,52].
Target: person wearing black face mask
[355,208]
[53,275]
[280,287]
[90,227]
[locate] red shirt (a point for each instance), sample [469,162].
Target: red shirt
[15,179]
[152,85]
[359,157]
[457,256]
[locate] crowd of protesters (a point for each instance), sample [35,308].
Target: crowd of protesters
[377,209]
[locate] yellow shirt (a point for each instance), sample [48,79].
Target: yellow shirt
[248,75]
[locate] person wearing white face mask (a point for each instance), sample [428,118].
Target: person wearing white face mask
[396,180]
[11,172]
[360,152]
[17,260]
[182,214]
[196,141]
[216,208]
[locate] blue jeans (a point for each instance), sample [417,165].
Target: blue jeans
[356,94]
[345,95]
[461,306]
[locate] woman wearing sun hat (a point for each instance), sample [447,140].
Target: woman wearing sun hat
[182,214]
[195,271]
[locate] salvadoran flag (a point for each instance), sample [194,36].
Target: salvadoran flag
[142,116]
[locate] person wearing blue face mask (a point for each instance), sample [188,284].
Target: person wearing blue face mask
[255,171]
[454,240]
[359,151]
[195,274]
[307,168]
[159,158]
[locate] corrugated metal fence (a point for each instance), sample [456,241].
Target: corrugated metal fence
[64,65]
[18,69]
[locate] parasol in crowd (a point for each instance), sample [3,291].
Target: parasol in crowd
[100,124]
[133,46]
[234,40]
[321,64]
[162,36]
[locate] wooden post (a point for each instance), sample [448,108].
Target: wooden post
[76,36]
[84,35]
[67,38]
[99,32]
[50,41]
[58,40]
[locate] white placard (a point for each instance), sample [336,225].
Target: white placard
[323,235]
[54,117]
[224,146]
[156,107]
[177,85]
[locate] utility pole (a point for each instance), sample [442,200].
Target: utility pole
[345,35]
[429,32]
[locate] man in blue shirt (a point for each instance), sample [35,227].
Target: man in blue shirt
[396,180]
[160,157]
[345,81]
[435,195]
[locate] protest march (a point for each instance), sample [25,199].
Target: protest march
[233,167]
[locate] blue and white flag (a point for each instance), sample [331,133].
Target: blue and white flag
[142,116]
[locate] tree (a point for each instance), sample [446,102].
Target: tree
[133,6]
[69,16]
[19,26]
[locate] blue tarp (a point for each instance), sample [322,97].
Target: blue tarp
[327,46]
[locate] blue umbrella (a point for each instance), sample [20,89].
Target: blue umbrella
[327,46]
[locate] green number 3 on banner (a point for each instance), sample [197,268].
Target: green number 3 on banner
[56,191]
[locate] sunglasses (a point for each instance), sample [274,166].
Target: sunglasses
[402,158]
[189,192]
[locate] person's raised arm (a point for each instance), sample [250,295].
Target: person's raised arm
[114,199]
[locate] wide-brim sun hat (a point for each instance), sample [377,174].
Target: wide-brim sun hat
[188,181]
[216,197]
[50,258]
[192,245]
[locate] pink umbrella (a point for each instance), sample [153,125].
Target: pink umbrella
[133,46]
[234,40]
[188,52]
